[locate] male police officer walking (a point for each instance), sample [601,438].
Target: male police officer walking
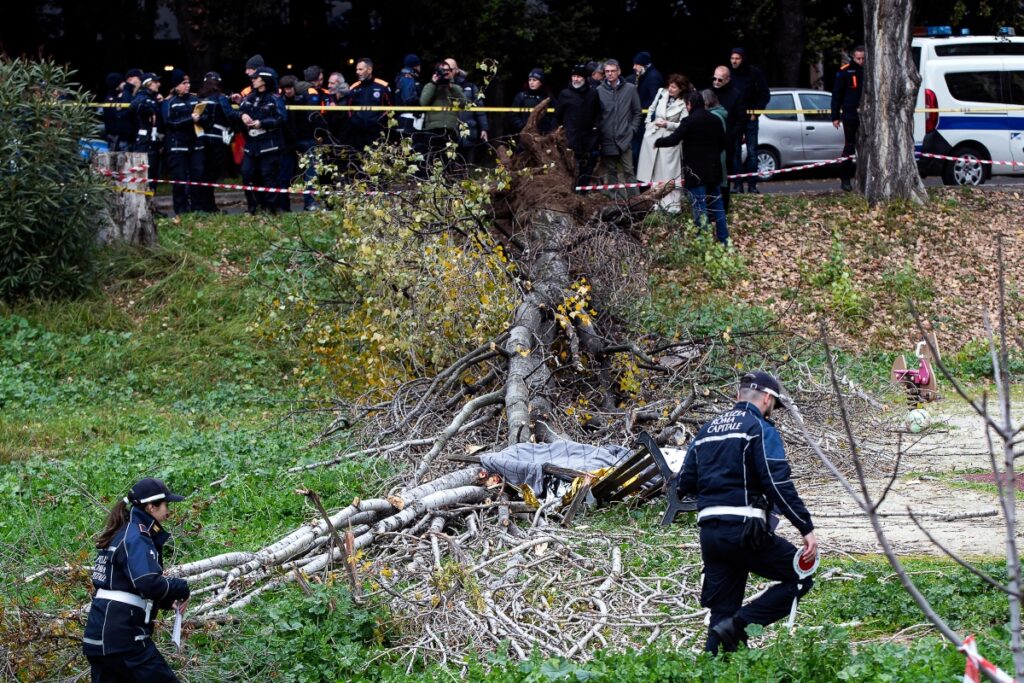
[734,461]
[845,103]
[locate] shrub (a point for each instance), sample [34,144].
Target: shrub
[49,199]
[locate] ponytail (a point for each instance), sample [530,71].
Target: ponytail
[116,519]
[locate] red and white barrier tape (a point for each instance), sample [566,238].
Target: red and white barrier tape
[976,664]
[128,179]
[973,159]
[124,177]
[757,174]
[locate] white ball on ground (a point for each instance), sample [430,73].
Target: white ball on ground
[918,419]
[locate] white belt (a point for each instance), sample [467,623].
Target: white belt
[127,598]
[738,511]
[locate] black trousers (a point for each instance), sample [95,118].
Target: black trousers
[147,666]
[727,564]
[215,160]
[849,147]
[185,166]
[264,171]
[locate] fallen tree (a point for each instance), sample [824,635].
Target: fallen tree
[487,312]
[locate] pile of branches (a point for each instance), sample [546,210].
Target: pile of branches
[463,565]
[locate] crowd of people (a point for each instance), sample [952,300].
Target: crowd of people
[192,136]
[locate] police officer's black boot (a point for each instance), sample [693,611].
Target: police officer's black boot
[731,632]
[847,187]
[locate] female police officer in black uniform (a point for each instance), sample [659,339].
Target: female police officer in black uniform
[130,588]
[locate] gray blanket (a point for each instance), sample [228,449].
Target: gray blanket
[524,462]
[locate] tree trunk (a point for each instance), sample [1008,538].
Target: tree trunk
[886,166]
[789,43]
[129,215]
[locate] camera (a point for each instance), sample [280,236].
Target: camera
[443,75]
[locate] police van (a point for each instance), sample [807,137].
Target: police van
[981,78]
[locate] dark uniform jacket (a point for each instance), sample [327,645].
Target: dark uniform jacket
[703,141]
[268,109]
[145,112]
[846,92]
[216,119]
[181,130]
[133,564]
[737,456]
[375,93]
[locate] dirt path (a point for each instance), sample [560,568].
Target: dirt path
[958,445]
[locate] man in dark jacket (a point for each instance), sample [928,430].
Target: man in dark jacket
[621,117]
[754,91]
[365,127]
[735,120]
[845,103]
[648,80]
[734,460]
[578,112]
[703,141]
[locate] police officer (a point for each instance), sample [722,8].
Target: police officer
[130,588]
[365,127]
[845,102]
[262,117]
[145,111]
[736,460]
[183,147]
[125,119]
[112,115]
[216,137]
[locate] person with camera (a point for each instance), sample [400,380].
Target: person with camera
[131,587]
[441,127]
[736,466]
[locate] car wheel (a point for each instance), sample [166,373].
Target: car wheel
[767,162]
[966,171]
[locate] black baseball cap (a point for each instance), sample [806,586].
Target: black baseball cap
[150,490]
[763,382]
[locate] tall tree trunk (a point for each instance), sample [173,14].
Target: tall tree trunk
[788,38]
[886,167]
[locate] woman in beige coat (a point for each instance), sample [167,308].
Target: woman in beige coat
[658,165]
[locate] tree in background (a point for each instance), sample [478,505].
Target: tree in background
[886,165]
[49,198]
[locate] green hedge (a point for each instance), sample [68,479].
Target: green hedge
[49,199]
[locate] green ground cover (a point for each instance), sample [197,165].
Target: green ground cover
[160,372]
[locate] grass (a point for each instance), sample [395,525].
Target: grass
[160,373]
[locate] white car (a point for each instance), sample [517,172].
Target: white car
[978,84]
[792,139]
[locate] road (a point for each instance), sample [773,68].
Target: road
[800,182]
